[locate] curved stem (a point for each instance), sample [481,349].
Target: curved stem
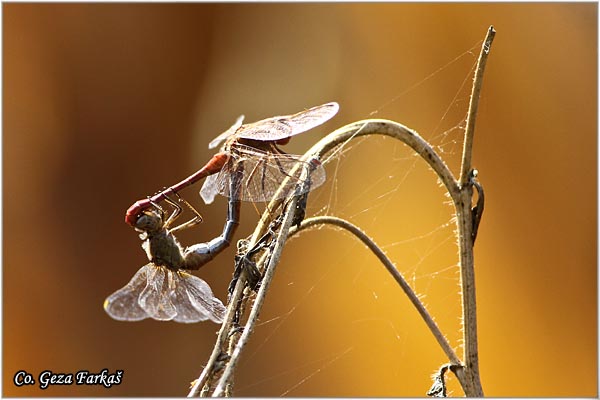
[321,149]
[389,265]
[461,194]
[368,127]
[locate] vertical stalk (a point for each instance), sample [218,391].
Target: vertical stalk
[465,169]
[462,203]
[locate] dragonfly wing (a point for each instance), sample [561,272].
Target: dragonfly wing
[229,132]
[267,176]
[220,183]
[313,117]
[215,184]
[268,129]
[209,189]
[123,304]
[155,299]
[194,300]
[281,127]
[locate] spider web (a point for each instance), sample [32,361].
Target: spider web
[358,333]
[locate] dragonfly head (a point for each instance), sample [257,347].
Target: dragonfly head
[149,221]
[135,211]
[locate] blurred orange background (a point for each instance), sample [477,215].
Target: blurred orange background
[107,103]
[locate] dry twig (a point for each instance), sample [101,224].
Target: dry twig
[273,230]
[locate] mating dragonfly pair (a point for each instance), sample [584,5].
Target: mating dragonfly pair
[248,167]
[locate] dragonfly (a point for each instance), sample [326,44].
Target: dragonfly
[266,167]
[163,289]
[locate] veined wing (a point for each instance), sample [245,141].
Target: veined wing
[281,127]
[262,175]
[123,304]
[193,299]
[229,132]
[162,294]
[210,187]
[155,299]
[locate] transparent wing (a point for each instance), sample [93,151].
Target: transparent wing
[281,127]
[194,300]
[263,174]
[155,299]
[229,132]
[210,188]
[123,304]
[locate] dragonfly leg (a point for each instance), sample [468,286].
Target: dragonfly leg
[277,150]
[251,174]
[191,207]
[176,211]
[161,211]
[260,167]
[188,224]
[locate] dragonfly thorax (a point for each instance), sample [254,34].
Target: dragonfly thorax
[163,249]
[255,144]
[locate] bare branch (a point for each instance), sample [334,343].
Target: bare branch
[473,106]
[227,376]
[466,233]
[389,265]
[212,367]
[225,359]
